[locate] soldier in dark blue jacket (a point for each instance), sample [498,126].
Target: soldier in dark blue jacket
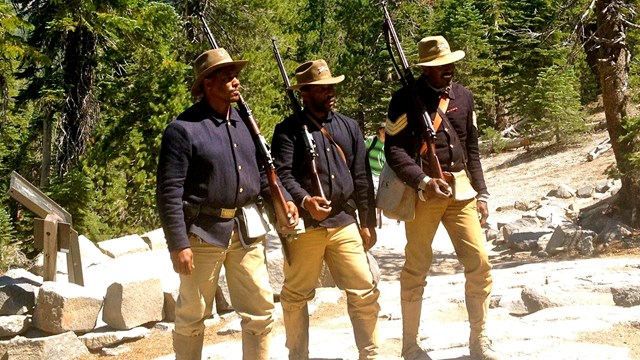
[331,234]
[460,204]
[209,183]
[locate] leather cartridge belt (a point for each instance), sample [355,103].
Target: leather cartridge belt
[218,212]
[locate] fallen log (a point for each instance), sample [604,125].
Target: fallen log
[599,149]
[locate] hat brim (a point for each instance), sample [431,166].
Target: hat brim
[444,60]
[327,81]
[237,64]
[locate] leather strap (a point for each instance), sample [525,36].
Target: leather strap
[437,120]
[327,135]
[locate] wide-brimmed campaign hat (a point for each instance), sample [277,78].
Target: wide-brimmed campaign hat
[314,72]
[210,61]
[435,51]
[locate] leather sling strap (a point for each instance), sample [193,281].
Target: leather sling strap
[328,136]
[442,107]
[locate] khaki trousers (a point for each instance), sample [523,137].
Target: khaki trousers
[341,248]
[248,281]
[460,219]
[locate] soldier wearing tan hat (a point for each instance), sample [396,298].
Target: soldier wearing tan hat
[458,204]
[206,149]
[332,234]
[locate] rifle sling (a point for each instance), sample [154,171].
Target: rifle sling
[437,121]
[328,136]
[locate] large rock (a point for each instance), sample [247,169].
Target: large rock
[13,325]
[107,337]
[523,234]
[63,307]
[129,244]
[129,304]
[568,237]
[18,290]
[627,296]
[155,239]
[65,346]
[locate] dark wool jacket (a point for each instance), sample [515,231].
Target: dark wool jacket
[206,161]
[340,181]
[404,138]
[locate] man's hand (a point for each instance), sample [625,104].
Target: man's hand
[317,206]
[436,188]
[292,209]
[182,261]
[483,211]
[369,237]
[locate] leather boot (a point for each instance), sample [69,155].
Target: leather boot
[255,347]
[366,335]
[479,344]
[411,349]
[296,325]
[188,347]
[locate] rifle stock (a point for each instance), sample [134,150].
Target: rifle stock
[419,111]
[310,143]
[283,218]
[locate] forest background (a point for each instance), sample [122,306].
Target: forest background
[88,86]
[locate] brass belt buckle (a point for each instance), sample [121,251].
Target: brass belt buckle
[227,213]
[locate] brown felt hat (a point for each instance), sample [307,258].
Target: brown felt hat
[210,61]
[435,51]
[314,72]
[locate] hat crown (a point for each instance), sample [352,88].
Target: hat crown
[312,71]
[210,58]
[433,47]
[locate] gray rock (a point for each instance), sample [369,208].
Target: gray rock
[115,351]
[563,191]
[627,296]
[537,298]
[155,239]
[133,303]
[106,337]
[13,325]
[585,191]
[602,186]
[129,244]
[64,346]
[63,307]
[16,298]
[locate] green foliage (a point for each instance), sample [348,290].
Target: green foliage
[493,141]
[554,105]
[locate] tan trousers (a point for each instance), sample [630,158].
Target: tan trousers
[460,219]
[248,281]
[341,248]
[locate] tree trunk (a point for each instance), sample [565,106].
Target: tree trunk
[80,110]
[613,62]
[46,150]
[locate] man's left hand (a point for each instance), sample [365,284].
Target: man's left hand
[483,211]
[369,237]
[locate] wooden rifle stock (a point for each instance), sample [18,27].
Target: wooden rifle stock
[310,143]
[283,217]
[419,111]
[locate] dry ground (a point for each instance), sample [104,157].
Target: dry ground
[511,176]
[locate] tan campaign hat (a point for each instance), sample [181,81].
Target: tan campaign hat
[209,61]
[435,51]
[314,73]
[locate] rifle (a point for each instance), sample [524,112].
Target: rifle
[283,217]
[310,143]
[409,82]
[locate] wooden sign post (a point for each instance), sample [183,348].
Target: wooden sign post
[53,232]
